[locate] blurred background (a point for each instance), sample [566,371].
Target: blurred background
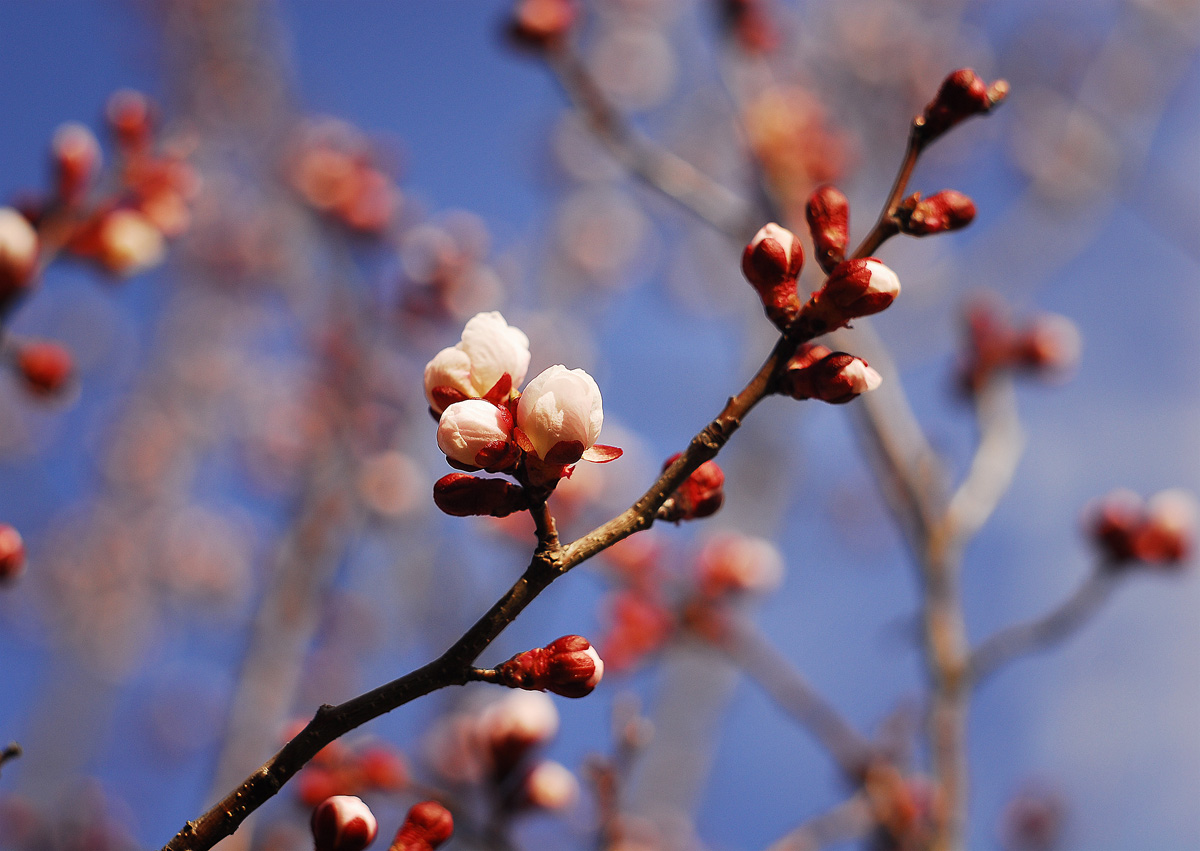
[227,514]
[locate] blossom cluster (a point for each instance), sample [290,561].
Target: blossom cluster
[1049,345]
[1159,532]
[536,436]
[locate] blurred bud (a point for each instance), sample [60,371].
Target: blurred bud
[1169,529]
[550,786]
[12,554]
[515,725]
[962,94]
[944,211]
[75,155]
[834,377]
[342,823]
[1051,344]
[857,288]
[18,254]
[828,214]
[1113,522]
[383,768]
[427,826]
[45,367]
[129,114]
[462,495]
[771,263]
[476,434]
[490,350]
[639,624]
[569,666]
[128,242]
[735,563]
[1033,821]
[540,24]
[701,494]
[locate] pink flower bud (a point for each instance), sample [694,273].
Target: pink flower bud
[828,214]
[129,114]
[490,349]
[343,823]
[962,94]
[515,725]
[76,157]
[735,563]
[12,553]
[45,367]
[1051,344]
[701,494]
[560,415]
[569,666]
[771,262]
[476,434]
[427,826]
[858,288]
[1168,532]
[541,23]
[550,786]
[127,242]
[836,377]
[944,211]
[462,495]
[18,254]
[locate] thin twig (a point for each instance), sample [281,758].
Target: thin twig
[1042,632]
[11,751]
[851,819]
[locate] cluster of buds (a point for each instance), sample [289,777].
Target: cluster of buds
[1047,346]
[701,494]
[341,770]
[125,233]
[427,825]
[962,94]
[12,554]
[569,666]
[342,823]
[542,24]
[815,372]
[941,212]
[336,172]
[748,23]
[1159,532]
[536,436]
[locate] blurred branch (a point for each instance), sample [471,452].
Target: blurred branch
[1001,442]
[667,172]
[11,751]
[1042,632]
[851,819]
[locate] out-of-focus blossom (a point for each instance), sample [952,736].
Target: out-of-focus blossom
[489,361]
[45,367]
[427,825]
[12,554]
[541,23]
[127,242]
[736,563]
[550,785]
[75,154]
[18,253]
[1160,532]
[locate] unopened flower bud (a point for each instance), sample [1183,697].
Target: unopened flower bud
[463,495]
[76,157]
[962,94]
[128,242]
[45,367]
[549,786]
[828,213]
[737,563]
[18,254]
[700,495]
[541,23]
[343,823]
[944,211]
[515,725]
[12,554]
[1113,523]
[383,768]
[1167,534]
[489,361]
[559,416]
[129,114]
[570,667]
[476,434]
[835,378]
[857,288]
[1052,343]
[771,263]
[427,826]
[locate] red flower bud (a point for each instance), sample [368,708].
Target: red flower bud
[833,377]
[540,24]
[12,554]
[343,823]
[700,495]
[962,94]
[427,826]
[129,114]
[828,214]
[383,768]
[463,495]
[1160,532]
[771,262]
[857,288]
[569,666]
[944,211]
[45,367]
